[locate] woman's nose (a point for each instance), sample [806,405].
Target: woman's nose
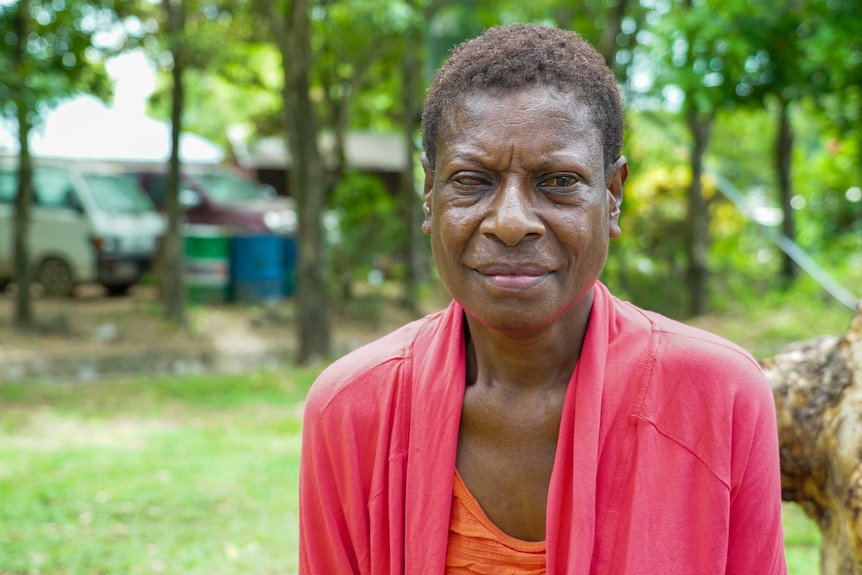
[512,214]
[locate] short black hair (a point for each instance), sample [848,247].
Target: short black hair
[514,56]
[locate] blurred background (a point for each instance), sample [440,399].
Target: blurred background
[201,202]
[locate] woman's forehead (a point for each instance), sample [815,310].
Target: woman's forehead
[535,129]
[523,109]
[539,99]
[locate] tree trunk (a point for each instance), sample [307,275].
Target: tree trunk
[608,44]
[307,185]
[23,201]
[697,219]
[818,393]
[173,285]
[411,68]
[783,163]
[23,313]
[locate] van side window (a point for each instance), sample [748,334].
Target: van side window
[51,187]
[8,187]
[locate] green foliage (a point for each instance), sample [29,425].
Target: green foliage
[833,55]
[376,102]
[346,59]
[741,148]
[369,230]
[232,70]
[245,91]
[824,178]
[697,50]
[58,58]
[646,264]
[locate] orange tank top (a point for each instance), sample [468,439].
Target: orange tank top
[477,546]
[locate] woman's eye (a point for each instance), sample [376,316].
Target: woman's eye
[560,181]
[469,181]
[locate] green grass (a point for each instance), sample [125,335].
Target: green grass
[198,475]
[801,542]
[766,325]
[176,475]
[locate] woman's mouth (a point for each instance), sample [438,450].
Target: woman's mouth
[512,277]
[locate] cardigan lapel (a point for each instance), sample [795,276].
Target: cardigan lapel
[571,511]
[435,413]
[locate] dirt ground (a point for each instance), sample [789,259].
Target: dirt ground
[89,320]
[93,324]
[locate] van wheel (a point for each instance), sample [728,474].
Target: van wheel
[117,290]
[56,278]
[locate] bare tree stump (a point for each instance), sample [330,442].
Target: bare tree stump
[818,396]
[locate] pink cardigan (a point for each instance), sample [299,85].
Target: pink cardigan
[667,460]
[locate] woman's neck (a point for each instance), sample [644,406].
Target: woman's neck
[527,360]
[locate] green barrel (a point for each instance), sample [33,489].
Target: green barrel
[207,267]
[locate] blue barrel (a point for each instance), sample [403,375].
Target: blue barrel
[289,257]
[257,268]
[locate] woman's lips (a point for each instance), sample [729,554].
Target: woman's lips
[514,278]
[515,282]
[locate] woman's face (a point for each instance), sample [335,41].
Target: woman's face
[518,206]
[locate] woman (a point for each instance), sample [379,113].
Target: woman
[538,424]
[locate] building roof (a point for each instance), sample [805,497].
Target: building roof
[366,151]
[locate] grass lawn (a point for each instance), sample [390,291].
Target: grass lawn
[193,475]
[801,542]
[180,475]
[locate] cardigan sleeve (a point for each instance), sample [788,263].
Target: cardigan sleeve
[331,537]
[756,543]
[712,398]
[356,435]
[350,439]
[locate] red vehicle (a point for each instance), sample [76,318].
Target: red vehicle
[224,198]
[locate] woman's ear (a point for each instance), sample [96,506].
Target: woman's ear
[616,180]
[426,192]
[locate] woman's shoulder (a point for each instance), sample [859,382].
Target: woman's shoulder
[372,370]
[697,351]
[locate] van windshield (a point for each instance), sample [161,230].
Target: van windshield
[117,193]
[229,189]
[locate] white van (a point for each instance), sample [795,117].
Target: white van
[89,223]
